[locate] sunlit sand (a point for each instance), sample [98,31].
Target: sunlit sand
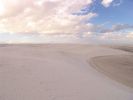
[65,72]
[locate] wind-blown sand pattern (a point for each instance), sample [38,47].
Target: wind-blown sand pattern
[59,72]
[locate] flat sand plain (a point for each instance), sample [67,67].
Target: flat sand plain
[62,72]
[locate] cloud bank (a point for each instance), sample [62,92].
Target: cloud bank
[41,18]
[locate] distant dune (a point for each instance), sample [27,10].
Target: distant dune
[62,72]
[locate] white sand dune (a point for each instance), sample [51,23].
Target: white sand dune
[57,72]
[117,67]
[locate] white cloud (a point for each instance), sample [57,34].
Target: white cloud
[114,28]
[53,17]
[106,3]
[116,36]
[130,35]
[43,16]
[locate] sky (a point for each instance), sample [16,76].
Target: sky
[73,21]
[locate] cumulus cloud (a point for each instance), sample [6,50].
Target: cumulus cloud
[116,32]
[13,7]
[112,35]
[117,36]
[43,16]
[106,3]
[116,28]
[33,20]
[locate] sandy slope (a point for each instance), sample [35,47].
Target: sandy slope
[56,72]
[117,67]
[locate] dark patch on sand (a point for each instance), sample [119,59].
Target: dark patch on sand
[117,67]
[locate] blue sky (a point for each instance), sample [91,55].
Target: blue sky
[121,13]
[34,21]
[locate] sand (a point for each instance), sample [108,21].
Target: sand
[117,67]
[59,72]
